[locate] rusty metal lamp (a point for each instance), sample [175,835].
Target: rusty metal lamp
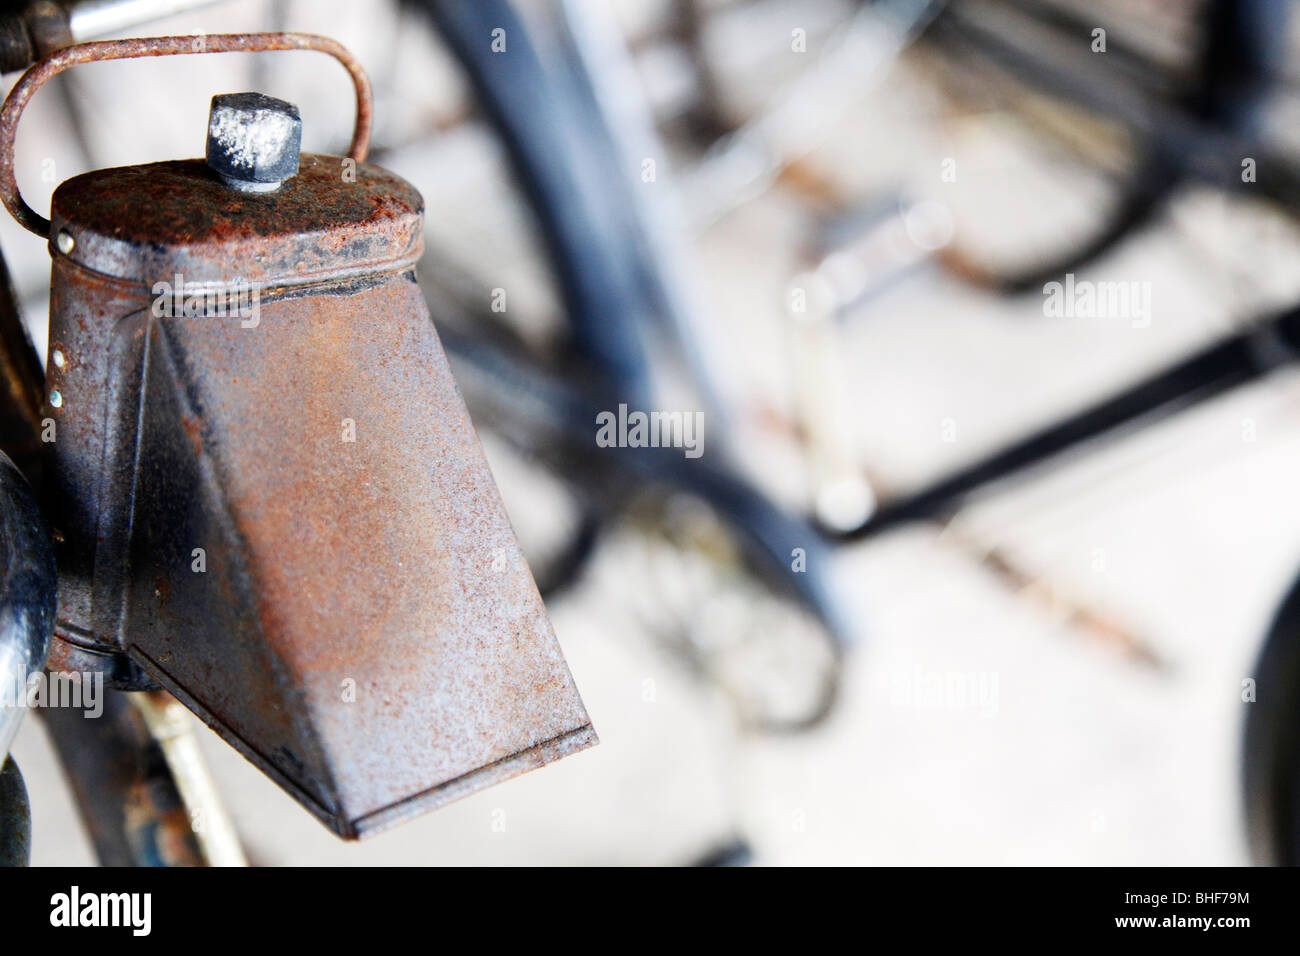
[266,493]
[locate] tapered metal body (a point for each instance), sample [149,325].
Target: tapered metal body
[268,496]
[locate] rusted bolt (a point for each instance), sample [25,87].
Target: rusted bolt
[253,141]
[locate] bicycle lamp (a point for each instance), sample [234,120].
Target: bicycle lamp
[266,491]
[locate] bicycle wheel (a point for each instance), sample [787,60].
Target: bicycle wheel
[681,569]
[1271,748]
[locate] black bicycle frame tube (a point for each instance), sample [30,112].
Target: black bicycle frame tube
[1234,361]
[537,121]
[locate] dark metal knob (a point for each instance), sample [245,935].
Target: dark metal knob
[253,141]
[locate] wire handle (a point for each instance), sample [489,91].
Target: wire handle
[98,50]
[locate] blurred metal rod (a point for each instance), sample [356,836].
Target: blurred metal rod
[798,118]
[173,727]
[653,223]
[132,805]
[1187,144]
[39,28]
[1210,372]
[92,19]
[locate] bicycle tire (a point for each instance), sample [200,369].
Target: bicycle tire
[1271,742]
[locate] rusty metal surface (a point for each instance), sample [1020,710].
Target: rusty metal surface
[365,628]
[126,223]
[98,50]
[94,378]
[134,227]
[127,797]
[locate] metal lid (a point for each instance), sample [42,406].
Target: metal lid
[146,224]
